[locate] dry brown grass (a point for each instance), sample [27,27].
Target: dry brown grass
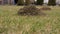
[15,24]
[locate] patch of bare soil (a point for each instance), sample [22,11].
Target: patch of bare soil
[45,8]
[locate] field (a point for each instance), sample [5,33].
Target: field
[11,23]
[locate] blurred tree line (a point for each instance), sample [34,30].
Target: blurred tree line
[38,2]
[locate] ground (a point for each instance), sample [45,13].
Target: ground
[11,23]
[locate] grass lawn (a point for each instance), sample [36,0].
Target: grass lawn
[11,23]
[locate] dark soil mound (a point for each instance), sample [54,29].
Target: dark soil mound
[30,10]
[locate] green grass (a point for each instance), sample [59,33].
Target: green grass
[11,23]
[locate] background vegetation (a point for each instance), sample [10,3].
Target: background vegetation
[28,2]
[20,2]
[52,2]
[40,2]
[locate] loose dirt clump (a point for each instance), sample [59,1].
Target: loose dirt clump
[30,10]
